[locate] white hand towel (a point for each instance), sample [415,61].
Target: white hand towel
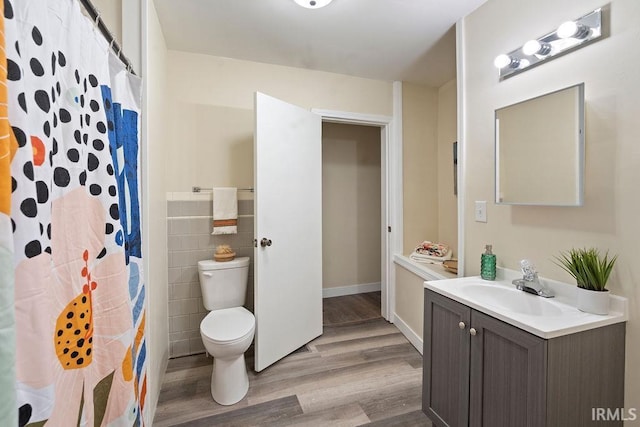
[225,210]
[428,259]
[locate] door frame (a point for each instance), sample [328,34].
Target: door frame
[391,193]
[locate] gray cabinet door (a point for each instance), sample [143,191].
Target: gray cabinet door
[445,384]
[507,375]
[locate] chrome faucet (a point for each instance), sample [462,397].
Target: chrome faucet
[530,282]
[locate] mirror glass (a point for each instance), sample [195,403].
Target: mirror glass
[540,150]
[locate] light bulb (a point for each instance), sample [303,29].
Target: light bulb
[567,29]
[572,29]
[531,47]
[534,47]
[502,61]
[313,4]
[524,63]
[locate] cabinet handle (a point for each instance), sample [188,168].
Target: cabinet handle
[473,331]
[461,325]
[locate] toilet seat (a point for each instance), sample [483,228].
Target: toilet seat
[227,326]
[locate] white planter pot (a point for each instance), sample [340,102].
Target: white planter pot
[594,302]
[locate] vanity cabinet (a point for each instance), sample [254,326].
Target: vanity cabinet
[481,371]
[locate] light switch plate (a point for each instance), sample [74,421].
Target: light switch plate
[481,211]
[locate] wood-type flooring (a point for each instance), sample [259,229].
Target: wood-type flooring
[361,371]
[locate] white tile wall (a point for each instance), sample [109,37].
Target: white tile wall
[189,241]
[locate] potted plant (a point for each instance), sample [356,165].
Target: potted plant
[591,271]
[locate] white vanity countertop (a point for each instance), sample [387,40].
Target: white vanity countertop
[544,317]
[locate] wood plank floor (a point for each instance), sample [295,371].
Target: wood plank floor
[361,371]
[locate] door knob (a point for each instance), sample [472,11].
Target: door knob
[265,242]
[473,331]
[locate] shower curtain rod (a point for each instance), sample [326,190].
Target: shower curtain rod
[196,189]
[113,44]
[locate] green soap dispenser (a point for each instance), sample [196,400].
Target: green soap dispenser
[488,264]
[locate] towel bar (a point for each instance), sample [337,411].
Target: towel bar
[196,189]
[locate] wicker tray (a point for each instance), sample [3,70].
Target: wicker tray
[224,257]
[451,265]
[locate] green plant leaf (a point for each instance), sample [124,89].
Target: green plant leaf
[587,266]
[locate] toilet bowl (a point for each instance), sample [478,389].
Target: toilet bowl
[228,330]
[226,335]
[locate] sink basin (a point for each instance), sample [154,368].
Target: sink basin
[513,300]
[544,317]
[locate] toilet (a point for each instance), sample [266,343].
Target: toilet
[227,331]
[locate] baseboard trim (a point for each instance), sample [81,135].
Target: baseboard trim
[351,290]
[408,333]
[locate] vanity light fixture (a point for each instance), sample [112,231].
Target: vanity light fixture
[569,36]
[313,4]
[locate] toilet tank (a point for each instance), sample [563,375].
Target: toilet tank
[223,284]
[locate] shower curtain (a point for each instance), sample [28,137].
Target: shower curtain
[70,221]
[8,410]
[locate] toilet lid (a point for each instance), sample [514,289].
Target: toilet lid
[228,324]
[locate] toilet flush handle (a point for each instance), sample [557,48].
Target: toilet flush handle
[205,274]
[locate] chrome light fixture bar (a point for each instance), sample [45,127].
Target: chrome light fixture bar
[569,36]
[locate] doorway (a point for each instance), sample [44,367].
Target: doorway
[288,222]
[390,230]
[351,210]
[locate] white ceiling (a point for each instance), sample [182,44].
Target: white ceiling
[410,40]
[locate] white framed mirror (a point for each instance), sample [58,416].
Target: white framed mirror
[539,147]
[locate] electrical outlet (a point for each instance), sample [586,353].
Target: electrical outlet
[481,211]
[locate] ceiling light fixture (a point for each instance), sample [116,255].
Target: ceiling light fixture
[313,4]
[569,36]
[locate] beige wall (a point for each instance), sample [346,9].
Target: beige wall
[351,205]
[430,206]
[155,208]
[410,299]
[111,14]
[429,130]
[447,135]
[211,128]
[609,218]
[420,164]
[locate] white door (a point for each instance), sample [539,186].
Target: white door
[288,228]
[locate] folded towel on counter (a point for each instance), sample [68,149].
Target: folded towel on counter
[426,259]
[431,253]
[225,210]
[438,250]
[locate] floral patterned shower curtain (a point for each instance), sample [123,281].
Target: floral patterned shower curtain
[73,203]
[8,410]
